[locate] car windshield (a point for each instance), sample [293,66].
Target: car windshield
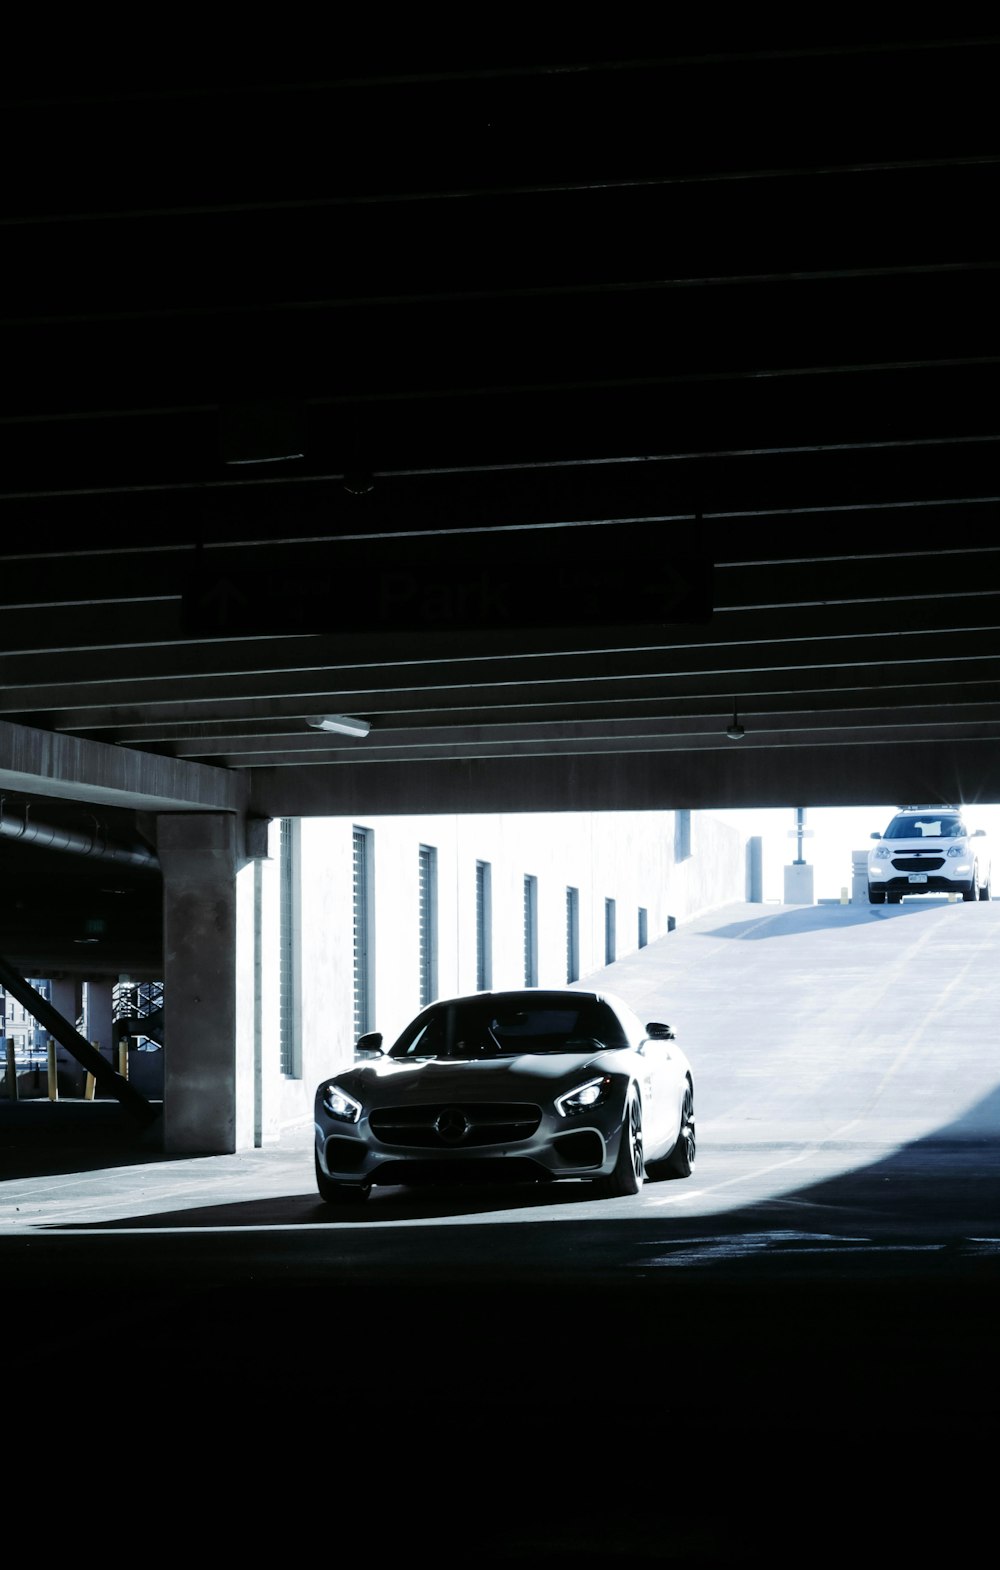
[917,826]
[491,1027]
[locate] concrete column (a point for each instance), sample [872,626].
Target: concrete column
[66,997]
[208,1037]
[755,870]
[98,1025]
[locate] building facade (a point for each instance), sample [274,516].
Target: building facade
[373,918]
[349,926]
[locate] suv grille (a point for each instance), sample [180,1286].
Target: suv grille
[918,863]
[447,1125]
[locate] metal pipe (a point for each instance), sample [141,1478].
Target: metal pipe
[79,841]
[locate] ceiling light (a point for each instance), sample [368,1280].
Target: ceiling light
[735,731]
[342,724]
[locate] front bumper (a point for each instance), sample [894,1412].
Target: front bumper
[907,875]
[557,1148]
[931,883]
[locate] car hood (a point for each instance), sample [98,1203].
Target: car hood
[509,1076]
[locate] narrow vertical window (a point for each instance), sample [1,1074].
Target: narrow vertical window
[572,934]
[364,947]
[288,947]
[428,925]
[530,931]
[643,928]
[484,926]
[609,932]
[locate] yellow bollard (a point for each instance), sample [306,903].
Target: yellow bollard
[123,1057]
[843,896]
[53,1076]
[90,1083]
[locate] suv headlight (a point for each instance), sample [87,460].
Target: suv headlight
[957,850]
[340,1105]
[584,1097]
[882,852]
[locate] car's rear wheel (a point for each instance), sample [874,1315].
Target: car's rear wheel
[680,1162]
[972,892]
[630,1171]
[875,896]
[339,1193]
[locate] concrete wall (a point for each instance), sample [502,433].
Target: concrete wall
[629,857]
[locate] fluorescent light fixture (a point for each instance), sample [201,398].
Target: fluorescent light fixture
[342,724]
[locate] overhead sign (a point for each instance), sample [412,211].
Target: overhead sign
[620,575]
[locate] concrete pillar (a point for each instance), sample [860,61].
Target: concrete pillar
[66,997]
[98,1025]
[755,870]
[208,1092]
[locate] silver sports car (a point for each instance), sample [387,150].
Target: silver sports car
[515,1087]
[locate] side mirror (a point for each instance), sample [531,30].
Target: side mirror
[977,832]
[657,1032]
[876,836]
[369,1046]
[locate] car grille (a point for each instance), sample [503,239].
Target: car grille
[918,863]
[481,1170]
[448,1125]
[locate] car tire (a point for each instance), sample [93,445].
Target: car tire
[893,897]
[680,1162]
[875,896]
[333,1193]
[972,892]
[630,1170]
[986,889]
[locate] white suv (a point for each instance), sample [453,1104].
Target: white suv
[928,850]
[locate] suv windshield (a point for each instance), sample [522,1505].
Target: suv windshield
[490,1028]
[925,825]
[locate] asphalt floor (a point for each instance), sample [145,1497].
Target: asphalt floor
[655,1421]
[94,1140]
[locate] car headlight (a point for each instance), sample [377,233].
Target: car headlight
[882,852]
[957,850]
[340,1105]
[584,1097]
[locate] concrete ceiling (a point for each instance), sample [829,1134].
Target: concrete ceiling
[539,406]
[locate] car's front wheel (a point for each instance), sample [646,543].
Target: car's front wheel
[339,1193]
[986,889]
[630,1171]
[972,892]
[680,1162]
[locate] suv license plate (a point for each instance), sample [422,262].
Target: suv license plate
[918,877]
